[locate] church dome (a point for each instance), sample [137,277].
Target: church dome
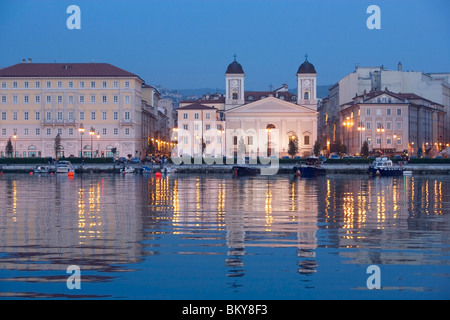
[306,67]
[234,68]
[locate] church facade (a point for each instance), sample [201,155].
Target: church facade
[254,123]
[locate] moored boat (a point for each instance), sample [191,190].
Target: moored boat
[244,171]
[312,168]
[64,167]
[44,169]
[385,167]
[127,169]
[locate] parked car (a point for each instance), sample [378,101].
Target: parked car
[122,160]
[135,160]
[323,158]
[334,156]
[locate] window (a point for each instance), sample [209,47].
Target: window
[81,115]
[127,99]
[48,115]
[116,131]
[104,84]
[70,84]
[59,131]
[70,99]
[399,112]
[306,95]
[195,127]
[116,99]
[388,112]
[59,99]
[25,84]
[3,99]
[104,99]
[37,115]
[92,99]
[14,99]
[3,131]
[70,115]
[399,141]
[104,115]
[48,84]
[49,131]
[196,116]
[25,132]
[208,116]
[368,112]
[185,127]
[306,140]
[250,140]
[59,84]
[235,96]
[37,99]
[26,99]
[37,84]
[15,84]
[49,99]
[3,115]
[399,125]
[127,84]
[115,84]
[82,84]
[127,115]
[127,130]
[92,84]
[185,116]
[59,115]
[388,140]
[38,131]
[15,115]
[81,99]
[3,84]
[207,127]
[92,115]
[70,131]
[104,131]
[25,115]
[388,125]
[115,115]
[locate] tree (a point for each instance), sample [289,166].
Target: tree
[150,147]
[57,145]
[365,149]
[316,148]
[113,151]
[293,146]
[9,148]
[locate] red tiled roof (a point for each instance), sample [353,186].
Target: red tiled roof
[64,70]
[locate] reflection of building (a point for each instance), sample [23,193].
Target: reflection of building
[265,120]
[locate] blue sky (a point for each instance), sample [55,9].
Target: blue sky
[189,43]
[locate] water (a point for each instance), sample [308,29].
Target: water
[219,237]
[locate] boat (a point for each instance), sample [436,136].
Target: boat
[312,168]
[64,167]
[127,169]
[245,171]
[44,169]
[385,167]
[146,169]
[168,170]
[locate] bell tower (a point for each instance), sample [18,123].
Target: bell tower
[307,85]
[234,85]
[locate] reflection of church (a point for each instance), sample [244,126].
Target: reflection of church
[261,121]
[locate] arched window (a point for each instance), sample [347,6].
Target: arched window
[31,151]
[307,95]
[109,153]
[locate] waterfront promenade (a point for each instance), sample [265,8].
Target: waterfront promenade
[283,168]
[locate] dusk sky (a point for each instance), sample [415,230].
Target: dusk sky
[181,44]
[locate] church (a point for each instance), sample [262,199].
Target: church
[254,123]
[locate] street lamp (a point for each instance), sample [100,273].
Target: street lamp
[91,133]
[380,130]
[269,128]
[15,145]
[360,129]
[98,144]
[81,130]
[222,131]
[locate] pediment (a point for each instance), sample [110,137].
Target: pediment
[270,105]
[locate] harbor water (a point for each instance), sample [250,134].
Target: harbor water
[215,236]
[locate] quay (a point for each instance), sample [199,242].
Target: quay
[283,168]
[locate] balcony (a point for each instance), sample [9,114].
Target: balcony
[70,122]
[126,122]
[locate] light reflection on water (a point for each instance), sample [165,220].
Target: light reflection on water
[215,236]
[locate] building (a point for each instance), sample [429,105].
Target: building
[392,123]
[431,86]
[260,123]
[94,107]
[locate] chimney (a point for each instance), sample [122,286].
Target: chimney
[29,60]
[399,66]
[23,60]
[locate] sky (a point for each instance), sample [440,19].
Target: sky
[188,44]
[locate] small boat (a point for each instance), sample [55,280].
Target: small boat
[245,171]
[385,167]
[312,168]
[64,167]
[168,170]
[146,169]
[43,169]
[127,169]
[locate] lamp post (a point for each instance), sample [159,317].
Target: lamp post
[269,128]
[221,131]
[91,133]
[361,128]
[380,130]
[347,124]
[81,130]
[15,145]
[98,144]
